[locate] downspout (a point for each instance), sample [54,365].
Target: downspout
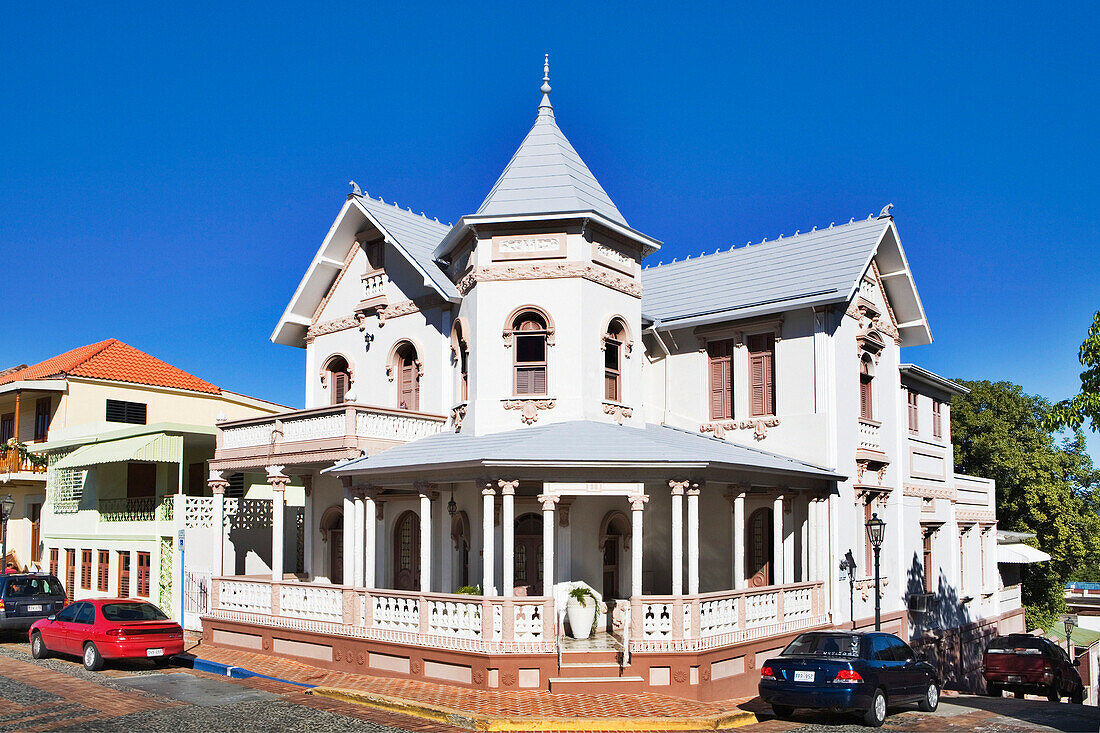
[668,355]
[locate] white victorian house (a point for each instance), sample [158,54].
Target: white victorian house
[514,403]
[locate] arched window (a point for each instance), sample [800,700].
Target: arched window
[612,360]
[460,348]
[339,378]
[866,387]
[529,332]
[406,552]
[408,377]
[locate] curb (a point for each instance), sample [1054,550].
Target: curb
[471,721]
[239,673]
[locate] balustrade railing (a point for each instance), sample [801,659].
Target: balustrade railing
[337,421]
[142,509]
[1011,598]
[870,434]
[12,462]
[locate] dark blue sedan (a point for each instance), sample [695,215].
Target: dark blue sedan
[848,671]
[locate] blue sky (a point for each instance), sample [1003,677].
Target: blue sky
[166,172]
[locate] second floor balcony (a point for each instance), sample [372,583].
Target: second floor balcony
[13,460]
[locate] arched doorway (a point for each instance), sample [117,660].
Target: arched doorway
[332,531]
[460,533]
[406,552]
[614,531]
[528,570]
[759,555]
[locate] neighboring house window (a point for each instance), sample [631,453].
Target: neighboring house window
[937,419]
[235,490]
[141,480]
[143,567]
[928,586]
[86,569]
[612,361]
[34,513]
[529,367]
[127,412]
[761,374]
[124,573]
[720,366]
[104,570]
[70,573]
[407,367]
[41,419]
[53,561]
[7,427]
[339,379]
[866,389]
[914,425]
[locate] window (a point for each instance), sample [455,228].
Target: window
[962,561]
[53,561]
[612,358]
[70,573]
[123,573]
[68,613]
[236,486]
[761,374]
[339,379]
[104,570]
[408,377]
[928,561]
[866,388]
[529,334]
[86,569]
[720,359]
[86,614]
[376,256]
[127,412]
[7,427]
[914,425]
[937,419]
[196,479]
[34,513]
[141,480]
[464,371]
[132,612]
[143,574]
[42,419]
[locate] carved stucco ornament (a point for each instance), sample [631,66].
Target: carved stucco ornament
[618,412]
[758,425]
[529,408]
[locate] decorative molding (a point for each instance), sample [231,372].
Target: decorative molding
[508,488]
[866,587]
[458,414]
[336,283]
[975,515]
[618,412]
[759,426]
[563,511]
[929,492]
[676,488]
[637,502]
[548,501]
[738,330]
[529,408]
[548,271]
[613,257]
[322,328]
[509,331]
[528,247]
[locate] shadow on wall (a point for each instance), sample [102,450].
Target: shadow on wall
[250,524]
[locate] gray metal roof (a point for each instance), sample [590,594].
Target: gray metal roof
[920,374]
[546,176]
[578,443]
[417,235]
[808,269]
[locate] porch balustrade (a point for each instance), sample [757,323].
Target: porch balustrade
[870,435]
[139,509]
[439,620]
[12,462]
[708,620]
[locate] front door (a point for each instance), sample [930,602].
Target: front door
[336,555]
[528,557]
[611,567]
[406,552]
[759,555]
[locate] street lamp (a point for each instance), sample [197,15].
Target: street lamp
[876,531]
[7,504]
[1068,621]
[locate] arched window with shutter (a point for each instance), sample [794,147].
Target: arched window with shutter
[338,375]
[761,374]
[529,333]
[866,388]
[720,364]
[612,360]
[406,368]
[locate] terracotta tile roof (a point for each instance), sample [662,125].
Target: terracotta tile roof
[114,360]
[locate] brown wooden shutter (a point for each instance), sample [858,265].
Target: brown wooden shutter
[761,375]
[721,380]
[866,403]
[937,419]
[913,424]
[538,380]
[339,387]
[124,573]
[409,388]
[104,570]
[86,569]
[928,585]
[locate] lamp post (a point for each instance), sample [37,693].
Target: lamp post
[876,531]
[7,504]
[1068,621]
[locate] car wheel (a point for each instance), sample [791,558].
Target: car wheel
[931,699]
[783,711]
[1078,697]
[993,690]
[876,715]
[1052,693]
[38,647]
[1018,694]
[93,662]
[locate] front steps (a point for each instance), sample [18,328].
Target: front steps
[591,671]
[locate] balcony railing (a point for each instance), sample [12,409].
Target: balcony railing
[1011,598]
[139,509]
[12,462]
[870,435]
[439,620]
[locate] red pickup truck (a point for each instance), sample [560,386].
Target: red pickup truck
[1021,663]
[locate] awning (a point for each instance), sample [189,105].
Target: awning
[1020,554]
[156,448]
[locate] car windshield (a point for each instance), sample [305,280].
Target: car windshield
[132,612]
[26,587]
[824,645]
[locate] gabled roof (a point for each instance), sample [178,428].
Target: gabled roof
[416,236]
[547,176]
[113,360]
[931,379]
[576,443]
[811,269]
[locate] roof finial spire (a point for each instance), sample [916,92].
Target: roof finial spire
[545,107]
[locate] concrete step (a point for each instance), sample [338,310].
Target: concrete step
[590,656]
[608,670]
[590,685]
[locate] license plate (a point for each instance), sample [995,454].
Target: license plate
[1013,678]
[154,652]
[34,609]
[800,676]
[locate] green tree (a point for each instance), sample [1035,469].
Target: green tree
[1043,486]
[1073,412]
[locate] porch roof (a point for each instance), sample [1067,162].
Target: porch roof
[577,444]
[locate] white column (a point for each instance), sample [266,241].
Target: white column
[777,541]
[278,482]
[487,540]
[508,528]
[370,511]
[677,488]
[217,487]
[307,533]
[357,541]
[548,521]
[812,550]
[426,541]
[739,540]
[637,506]
[693,538]
[348,534]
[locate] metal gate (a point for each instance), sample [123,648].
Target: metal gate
[196,598]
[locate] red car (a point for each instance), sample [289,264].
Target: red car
[1022,663]
[108,628]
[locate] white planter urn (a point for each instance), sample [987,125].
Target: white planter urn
[581,617]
